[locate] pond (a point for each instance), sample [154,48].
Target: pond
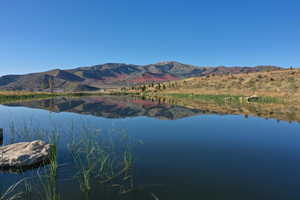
[118,147]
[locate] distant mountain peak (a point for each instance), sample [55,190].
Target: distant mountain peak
[169,62]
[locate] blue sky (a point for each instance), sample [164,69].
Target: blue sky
[40,35]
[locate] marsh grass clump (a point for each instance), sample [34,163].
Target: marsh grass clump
[98,160]
[46,181]
[47,175]
[49,180]
[105,158]
[48,184]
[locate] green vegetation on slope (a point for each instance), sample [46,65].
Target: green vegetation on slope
[6,97]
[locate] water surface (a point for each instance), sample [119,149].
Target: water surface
[179,152]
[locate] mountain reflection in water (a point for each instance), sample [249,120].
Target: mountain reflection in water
[113,106]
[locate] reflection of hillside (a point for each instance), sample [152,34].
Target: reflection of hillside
[277,111]
[112,107]
[160,107]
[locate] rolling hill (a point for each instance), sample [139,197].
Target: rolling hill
[284,83]
[114,75]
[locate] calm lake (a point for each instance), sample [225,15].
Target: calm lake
[114,147]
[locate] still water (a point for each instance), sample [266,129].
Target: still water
[159,151]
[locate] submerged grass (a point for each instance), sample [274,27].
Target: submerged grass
[10,193]
[101,159]
[47,180]
[45,183]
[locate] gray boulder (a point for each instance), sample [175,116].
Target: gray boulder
[24,154]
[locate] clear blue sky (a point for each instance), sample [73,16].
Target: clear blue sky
[37,35]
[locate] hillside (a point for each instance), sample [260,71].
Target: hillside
[114,75]
[280,83]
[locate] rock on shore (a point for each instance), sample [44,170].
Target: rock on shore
[24,154]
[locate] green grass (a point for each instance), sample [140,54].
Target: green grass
[10,98]
[102,160]
[220,99]
[105,161]
[7,97]
[225,99]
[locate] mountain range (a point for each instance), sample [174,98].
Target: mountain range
[114,75]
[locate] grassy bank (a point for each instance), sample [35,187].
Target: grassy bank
[12,96]
[18,96]
[282,84]
[226,98]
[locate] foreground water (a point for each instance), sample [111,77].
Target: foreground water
[157,151]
